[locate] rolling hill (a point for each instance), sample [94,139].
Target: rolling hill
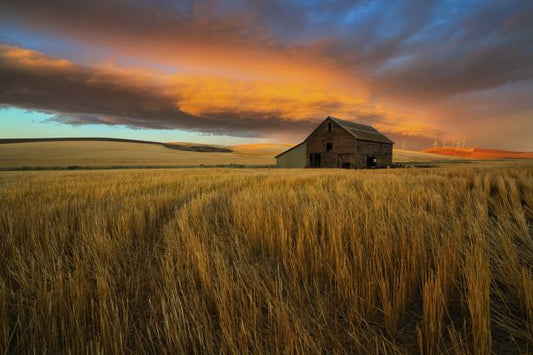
[108,152]
[115,153]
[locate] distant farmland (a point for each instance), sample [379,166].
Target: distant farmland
[267,261]
[106,153]
[479,153]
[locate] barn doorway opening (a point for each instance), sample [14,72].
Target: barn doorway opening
[346,165]
[315,160]
[370,161]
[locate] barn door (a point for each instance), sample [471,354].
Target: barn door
[315,160]
[370,161]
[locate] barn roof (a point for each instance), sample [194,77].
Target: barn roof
[361,131]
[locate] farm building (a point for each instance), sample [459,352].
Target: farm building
[337,143]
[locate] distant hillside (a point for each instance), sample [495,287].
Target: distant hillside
[479,153]
[109,153]
[74,139]
[191,147]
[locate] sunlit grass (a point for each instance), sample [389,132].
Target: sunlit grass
[267,261]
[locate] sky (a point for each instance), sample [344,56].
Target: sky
[236,71]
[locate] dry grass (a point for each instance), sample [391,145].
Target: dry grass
[267,261]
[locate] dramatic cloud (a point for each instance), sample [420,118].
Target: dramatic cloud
[417,69]
[136,98]
[32,80]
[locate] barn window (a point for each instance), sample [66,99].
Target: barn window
[329,146]
[329,126]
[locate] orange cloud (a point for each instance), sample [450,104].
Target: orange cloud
[291,101]
[204,96]
[114,95]
[29,58]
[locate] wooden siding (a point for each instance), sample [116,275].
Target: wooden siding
[343,145]
[293,158]
[381,151]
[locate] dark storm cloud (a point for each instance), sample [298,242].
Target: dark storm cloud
[84,95]
[167,23]
[443,49]
[31,80]
[427,48]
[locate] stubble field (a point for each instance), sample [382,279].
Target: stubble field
[267,261]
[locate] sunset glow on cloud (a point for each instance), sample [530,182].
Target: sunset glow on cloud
[271,70]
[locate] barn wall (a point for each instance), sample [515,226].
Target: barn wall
[381,151]
[294,158]
[343,150]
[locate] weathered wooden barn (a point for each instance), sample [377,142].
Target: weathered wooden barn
[337,143]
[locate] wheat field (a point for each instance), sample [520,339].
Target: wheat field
[267,261]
